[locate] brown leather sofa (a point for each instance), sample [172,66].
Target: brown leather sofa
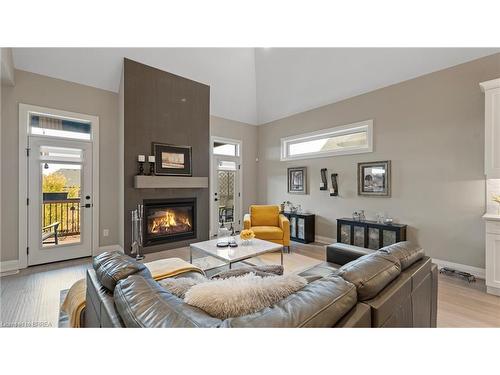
[393,287]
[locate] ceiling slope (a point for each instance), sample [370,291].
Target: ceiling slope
[258,85]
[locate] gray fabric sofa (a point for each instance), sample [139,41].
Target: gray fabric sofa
[393,287]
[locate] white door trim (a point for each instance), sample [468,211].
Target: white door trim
[24,110]
[213,181]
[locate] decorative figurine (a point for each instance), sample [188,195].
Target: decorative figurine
[324,183]
[141,159]
[151,160]
[334,191]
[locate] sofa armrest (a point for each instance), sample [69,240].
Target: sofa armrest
[341,253]
[247,221]
[284,224]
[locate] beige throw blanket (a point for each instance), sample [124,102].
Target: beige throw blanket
[163,268]
[74,303]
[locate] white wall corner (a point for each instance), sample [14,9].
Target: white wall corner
[7,67]
[103,249]
[121,166]
[9,266]
[476,271]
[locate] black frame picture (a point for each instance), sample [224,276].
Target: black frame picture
[172,160]
[297,180]
[374,179]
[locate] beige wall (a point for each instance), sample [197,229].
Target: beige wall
[49,92]
[248,135]
[432,128]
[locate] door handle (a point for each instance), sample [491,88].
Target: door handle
[87,205]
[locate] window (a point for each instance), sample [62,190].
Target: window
[59,127]
[226,149]
[342,140]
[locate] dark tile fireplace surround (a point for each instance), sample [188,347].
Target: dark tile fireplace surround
[169,220]
[165,108]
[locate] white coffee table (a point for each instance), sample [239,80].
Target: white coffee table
[232,255]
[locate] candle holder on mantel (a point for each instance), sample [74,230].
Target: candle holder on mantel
[151,161]
[141,159]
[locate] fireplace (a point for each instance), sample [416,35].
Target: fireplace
[168,220]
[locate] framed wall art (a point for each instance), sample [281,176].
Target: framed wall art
[374,179]
[171,160]
[297,180]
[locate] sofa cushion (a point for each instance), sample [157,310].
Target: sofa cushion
[268,233]
[266,215]
[407,253]
[111,267]
[371,273]
[321,303]
[142,302]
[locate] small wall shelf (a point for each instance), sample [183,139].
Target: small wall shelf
[170,182]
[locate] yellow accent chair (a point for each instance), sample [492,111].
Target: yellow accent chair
[268,224]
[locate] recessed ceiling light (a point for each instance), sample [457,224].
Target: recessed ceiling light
[183,100]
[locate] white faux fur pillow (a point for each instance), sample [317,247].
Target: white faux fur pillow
[237,296]
[180,285]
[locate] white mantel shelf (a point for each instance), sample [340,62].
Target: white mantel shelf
[170,182]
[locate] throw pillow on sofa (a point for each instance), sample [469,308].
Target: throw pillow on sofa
[237,296]
[180,285]
[262,271]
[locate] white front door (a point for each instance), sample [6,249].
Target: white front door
[226,193]
[59,199]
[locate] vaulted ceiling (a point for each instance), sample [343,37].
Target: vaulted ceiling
[254,85]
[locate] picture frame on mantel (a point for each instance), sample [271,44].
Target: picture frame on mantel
[172,160]
[374,179]
[297,180]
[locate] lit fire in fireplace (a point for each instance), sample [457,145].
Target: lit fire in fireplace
[168,222]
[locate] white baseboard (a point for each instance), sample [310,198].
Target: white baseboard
[326,240]
[9,266]
[476,271]
[103,249]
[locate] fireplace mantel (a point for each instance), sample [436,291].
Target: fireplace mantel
[170,182]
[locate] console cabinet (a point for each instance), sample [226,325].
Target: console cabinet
[369,234]
[302,227]
[491,91]
[492,254]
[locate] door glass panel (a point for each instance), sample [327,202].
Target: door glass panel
[58,127]
[345,233]
[61,154]
[389,237]
[61,200]
[300,228]
[293,226]
[373,238]
[226,176]
[359,236]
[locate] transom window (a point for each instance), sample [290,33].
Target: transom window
[58,127]
[342,140]
[226,149]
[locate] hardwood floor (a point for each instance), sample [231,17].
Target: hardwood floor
[32,295]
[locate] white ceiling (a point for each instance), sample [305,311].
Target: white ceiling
[254,85]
